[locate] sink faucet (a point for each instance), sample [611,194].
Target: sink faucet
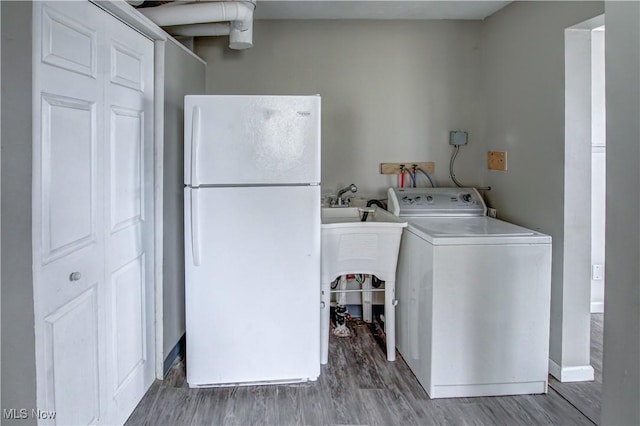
[339,198]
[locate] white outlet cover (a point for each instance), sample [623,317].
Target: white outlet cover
[597,272]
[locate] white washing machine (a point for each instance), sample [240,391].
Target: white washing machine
[473,296]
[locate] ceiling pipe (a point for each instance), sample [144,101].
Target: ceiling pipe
[200,13]
[240,39]
[200,30]
[204,18]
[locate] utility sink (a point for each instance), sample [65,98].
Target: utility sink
[348,215]
[350,245]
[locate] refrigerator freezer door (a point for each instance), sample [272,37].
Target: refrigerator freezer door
[253,296]
[249,140]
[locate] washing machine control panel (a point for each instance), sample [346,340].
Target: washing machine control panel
[436,202]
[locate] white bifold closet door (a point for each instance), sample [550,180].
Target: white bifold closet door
[93,204]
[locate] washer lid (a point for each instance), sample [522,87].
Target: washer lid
[473,230]
[417,202]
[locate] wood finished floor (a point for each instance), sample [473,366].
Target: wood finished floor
[585,396]
[357,387]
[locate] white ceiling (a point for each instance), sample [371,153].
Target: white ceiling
[376,9]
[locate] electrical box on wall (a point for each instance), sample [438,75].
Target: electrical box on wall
[458,138]
[497,160]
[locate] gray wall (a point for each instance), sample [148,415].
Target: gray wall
[391,91]
[184,75]
[524,97]
[18,338]
[621,374]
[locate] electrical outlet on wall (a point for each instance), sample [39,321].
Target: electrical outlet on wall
[597,273]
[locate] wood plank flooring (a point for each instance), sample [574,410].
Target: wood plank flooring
[586,396]
[357,387]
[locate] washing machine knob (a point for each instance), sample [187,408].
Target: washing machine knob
[466,198]
[429,199]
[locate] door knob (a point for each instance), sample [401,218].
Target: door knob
[75,276]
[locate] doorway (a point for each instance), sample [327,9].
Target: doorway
[584,216]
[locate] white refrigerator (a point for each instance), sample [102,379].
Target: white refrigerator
[252,239]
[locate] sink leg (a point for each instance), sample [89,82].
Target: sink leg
[366,299]
[325,306]
[390,318]
[341,298]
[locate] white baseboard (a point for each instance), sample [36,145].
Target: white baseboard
[580,373]
[597,307]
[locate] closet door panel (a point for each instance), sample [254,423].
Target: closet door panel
[129,228]
[92,214]
[69,194]
[67,213]
[126,149]
[72,334]
[69,43]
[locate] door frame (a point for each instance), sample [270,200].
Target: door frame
[575,364]
[127,14]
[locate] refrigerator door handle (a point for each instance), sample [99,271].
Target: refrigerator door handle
[195,227]
[195,144]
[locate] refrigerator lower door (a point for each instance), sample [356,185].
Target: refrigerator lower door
[252,284]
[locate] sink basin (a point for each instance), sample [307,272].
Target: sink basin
[352,246]
[349,215]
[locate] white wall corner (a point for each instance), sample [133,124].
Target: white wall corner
[580,373]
